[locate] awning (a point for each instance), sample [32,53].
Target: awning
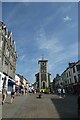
[12,81]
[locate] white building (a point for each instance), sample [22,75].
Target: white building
[71,77]
[17,80]
[7,56]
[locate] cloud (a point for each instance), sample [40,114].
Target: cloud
[55,51]
[67,18]
[22,57]
[47,43]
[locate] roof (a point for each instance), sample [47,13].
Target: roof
[36,74]
[42,61]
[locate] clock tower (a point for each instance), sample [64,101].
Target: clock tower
[43,77]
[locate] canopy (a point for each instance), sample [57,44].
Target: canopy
[12,81]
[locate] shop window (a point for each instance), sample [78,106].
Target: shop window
[9,85]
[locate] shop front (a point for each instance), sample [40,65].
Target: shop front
[3,81]
[11,84]
[76,88]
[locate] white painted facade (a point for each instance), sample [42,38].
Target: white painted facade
[72,73]
[2,76]
[17,80]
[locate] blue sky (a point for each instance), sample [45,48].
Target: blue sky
[48,29]
[1,10]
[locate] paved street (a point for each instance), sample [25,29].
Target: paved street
[0,107]
[49,106]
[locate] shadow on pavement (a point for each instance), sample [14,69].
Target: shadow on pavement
[7,103]
[66,106]
[38,98]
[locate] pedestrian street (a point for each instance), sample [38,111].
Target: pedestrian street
[48,106]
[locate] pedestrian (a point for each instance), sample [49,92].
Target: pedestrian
[26,92]
[12,94]
[22,91]
[35,91]
[59,92]
[63,92]
[4,93]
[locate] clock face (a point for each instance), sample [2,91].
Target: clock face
[43,63]
[43,66]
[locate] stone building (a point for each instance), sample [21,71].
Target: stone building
[7,53]
[43,77]
[71,77]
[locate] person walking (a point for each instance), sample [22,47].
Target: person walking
[59,92]
[63,92]
[12,94]
[4,93]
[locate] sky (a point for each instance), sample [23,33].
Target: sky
[43,29]
[0,10]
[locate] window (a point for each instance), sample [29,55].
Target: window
[10,67]
[75,79]
[7,52]
[0,79]
[1,42]
[78,67]
[43,70]
[6,63]
[70,80]
[44,85]
[78,77]
[0,29]
[69,73]
[11,58]
[73,69]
